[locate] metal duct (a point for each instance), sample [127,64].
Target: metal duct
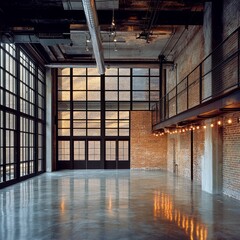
[93,26]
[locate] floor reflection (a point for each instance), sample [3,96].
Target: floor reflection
[113,205]
[165,209]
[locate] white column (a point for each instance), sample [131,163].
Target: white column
[212,162]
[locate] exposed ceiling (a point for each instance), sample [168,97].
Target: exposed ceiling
[58,29]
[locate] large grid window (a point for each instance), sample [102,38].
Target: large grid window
[79,90]
[131,89]
[117,123]
[94,113]
[10,148]
[22,115]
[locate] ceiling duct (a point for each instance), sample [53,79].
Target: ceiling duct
[93,26]
[100,5]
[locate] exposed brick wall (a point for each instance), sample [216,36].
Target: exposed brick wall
[187,55]
[147,150]
[195,44]
[179,149]
[198,154]
[191,53]
[231,16]
[231,156]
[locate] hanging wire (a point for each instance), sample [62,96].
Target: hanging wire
[150,19]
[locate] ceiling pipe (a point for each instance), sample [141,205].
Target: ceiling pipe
[93,26]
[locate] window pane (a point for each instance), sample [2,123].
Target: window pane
[123,151]
[154,83]
[93,96]
[79,71]
[94,151]
[111,96]
[124,115]
[92,71]
[111,115]
[93,132]
[64,123]
[140,71]
[79,132]
[154,97]
[63,150]
[64,96]
[94,124]
[110,150]
[79,124]
[79,150]
[124,83]
[140,83]
[64,71]
[154,71]
[111,83]
[79,83]
[79,115]
[124,96]
[64,115]
[123,132]
[111,71]
[111,123]
[93,83]
[124,71]
[111,132]
[94,115]
[79,96]
[63,83]
[140,96]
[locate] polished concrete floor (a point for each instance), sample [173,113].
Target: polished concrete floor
[124,204]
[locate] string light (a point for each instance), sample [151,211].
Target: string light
[195,126]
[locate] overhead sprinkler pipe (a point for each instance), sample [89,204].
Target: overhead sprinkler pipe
[93,26]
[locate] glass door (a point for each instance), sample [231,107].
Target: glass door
[117,154]
[123,154]
[110,155]
[94,154]
[80,155]
[64,154]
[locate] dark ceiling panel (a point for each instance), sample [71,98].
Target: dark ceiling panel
[142,26]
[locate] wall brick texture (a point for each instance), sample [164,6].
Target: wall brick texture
[187,55]
[179,149]
[231,16]
[231,156]
[198,154]
[147,150]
